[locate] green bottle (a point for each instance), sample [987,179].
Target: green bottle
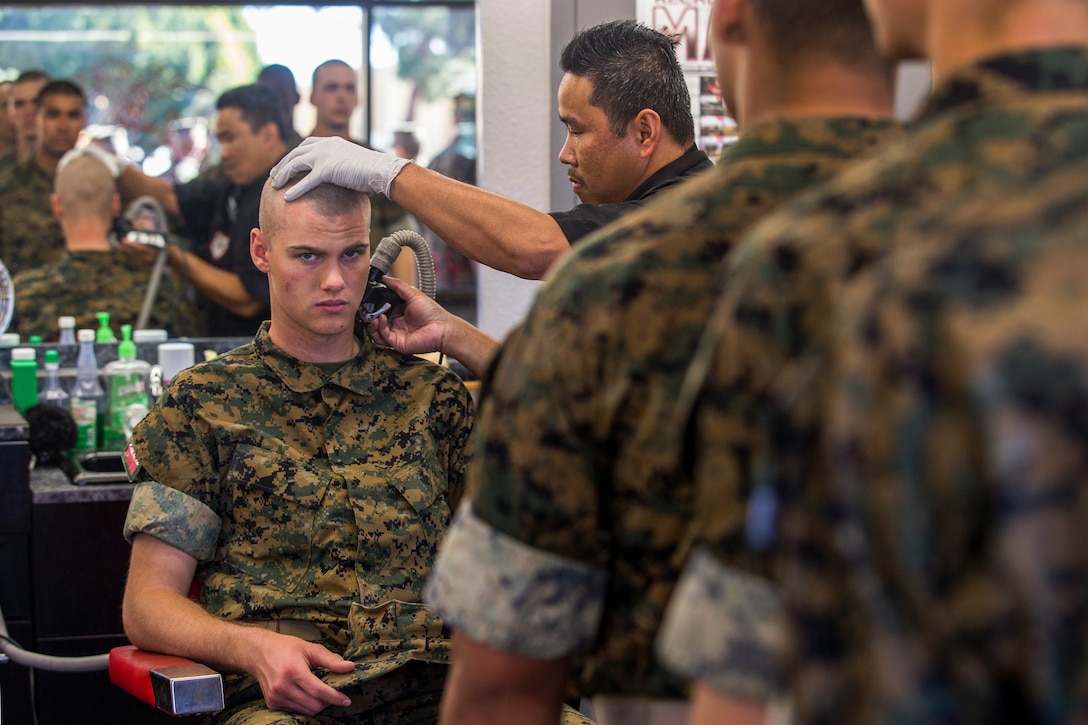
[129,399]
[24,378]
[104,333]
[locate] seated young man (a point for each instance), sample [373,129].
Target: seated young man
[304,480]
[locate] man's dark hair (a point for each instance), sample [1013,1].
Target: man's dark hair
[632,67]
[835,29]
[259,105]
[280,79]
[33,75]
[61,88]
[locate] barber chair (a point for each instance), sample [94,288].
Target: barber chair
[174,685]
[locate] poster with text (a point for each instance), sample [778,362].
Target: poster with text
[688,21]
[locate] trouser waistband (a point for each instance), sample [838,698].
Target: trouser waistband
[294,627]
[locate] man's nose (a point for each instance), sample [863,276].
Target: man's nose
[566,154]
[334,277]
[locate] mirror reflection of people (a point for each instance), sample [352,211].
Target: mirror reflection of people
[30,234]
[630,135]
[92,275]
[281,80]
[304,480]
[220,210]
[20,109]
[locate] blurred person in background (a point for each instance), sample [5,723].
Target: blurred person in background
[29,232]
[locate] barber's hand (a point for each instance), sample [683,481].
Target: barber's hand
[139,253]
[111,161]
[284,669]
[333,160]
[422,327]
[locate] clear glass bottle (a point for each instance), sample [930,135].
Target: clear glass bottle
[88,399]
[52,392]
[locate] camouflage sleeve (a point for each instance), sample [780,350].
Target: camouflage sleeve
[173,518]
[512,597]
[177,494]
[727,629]
[536,474]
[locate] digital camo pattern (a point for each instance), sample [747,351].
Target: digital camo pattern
[709,590]
[30,235]
[9,162]
[330,492]
[83,283]
[577,454]
[760,380]
[409,695]
[545,606]
[960,417]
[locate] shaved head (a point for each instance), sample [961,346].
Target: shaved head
[85,188]
[327,200]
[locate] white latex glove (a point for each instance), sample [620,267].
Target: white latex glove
[332,160]
[111,161]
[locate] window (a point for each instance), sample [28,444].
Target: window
[152,73]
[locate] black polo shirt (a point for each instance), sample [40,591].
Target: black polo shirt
[586,218]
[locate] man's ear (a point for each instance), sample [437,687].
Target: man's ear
[115,204]
[728,21]
[258,249]
[55,203]
[646,129]
[269,133]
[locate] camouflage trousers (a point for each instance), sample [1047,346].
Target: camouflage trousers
[409,694]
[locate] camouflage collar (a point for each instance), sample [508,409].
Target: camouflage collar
[789,136]
[1002,78]
[303,377]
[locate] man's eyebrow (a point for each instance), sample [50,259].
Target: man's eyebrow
[304,247]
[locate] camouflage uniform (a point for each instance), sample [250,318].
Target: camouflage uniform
[950,637]
[9,162]
[313,495]
[577,491]
[30,235]
[83,283]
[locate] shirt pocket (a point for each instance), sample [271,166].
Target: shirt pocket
[269,522]
[402,512]
[397,627]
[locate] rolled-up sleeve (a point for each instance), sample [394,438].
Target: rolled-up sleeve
[510,596]
[173,517]
[727,629]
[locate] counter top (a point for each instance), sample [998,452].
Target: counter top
[49,484]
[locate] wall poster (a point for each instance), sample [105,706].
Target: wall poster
[689,20]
